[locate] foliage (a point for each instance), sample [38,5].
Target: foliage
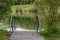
[50,32]
[50,6]
[49,19]
[25,22]
[54,2]
[5,8]
[4,35]
[24,2]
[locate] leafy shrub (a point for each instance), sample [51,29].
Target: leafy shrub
[4,35]
[50,32]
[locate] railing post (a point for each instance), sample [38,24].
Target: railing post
[37,23]
[12,23]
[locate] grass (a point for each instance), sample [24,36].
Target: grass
[4,35]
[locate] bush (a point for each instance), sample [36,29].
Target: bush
[4,35]
[50,32]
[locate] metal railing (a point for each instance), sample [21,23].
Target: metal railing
[37,23]
[12,24]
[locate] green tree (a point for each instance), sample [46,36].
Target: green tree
[5,7]
[52,6]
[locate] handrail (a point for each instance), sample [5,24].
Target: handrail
[37,23]
[12,24]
